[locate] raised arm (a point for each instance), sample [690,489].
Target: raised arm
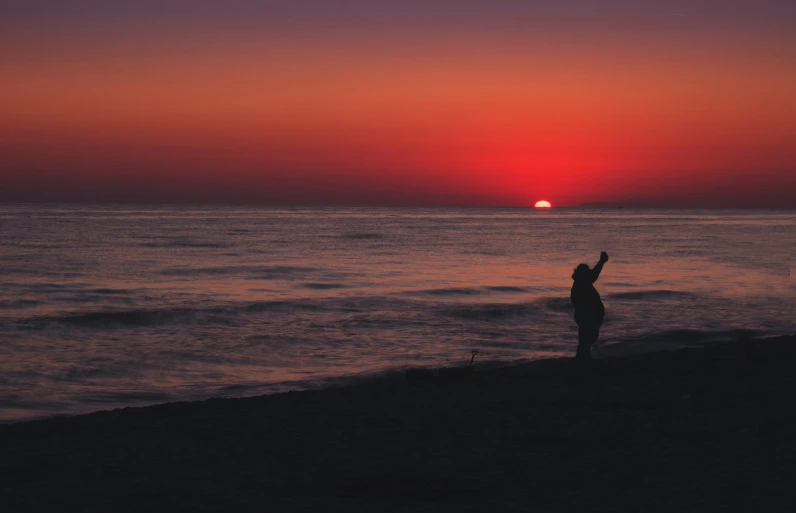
[599,267]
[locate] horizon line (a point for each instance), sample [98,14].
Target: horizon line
[585,206]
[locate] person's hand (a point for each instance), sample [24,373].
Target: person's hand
[603,257]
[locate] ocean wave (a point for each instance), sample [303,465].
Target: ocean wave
[470,291]
[502,311]
[35,287]
[362,236]
[110,291]
[284,306]
[7,270]
[671,340]
[157,317]
[650,295]
[131,317]
[183,244]
[505,288]
[325,286]
[558,304]
[15,304]
[450,292]
[126,397]
[264,272]
[491,312]
[692,336]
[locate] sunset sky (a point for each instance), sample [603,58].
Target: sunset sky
[432,102]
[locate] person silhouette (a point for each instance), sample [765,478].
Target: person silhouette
[589,309]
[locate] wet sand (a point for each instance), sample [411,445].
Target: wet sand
[708,429]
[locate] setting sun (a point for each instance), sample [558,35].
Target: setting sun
[543,204]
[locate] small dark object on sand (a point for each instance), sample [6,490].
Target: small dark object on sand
[475,353]
[442,373]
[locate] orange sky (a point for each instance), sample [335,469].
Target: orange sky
[683,114]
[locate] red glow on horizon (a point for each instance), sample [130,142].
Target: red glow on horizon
[456,119]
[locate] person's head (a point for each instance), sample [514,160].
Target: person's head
[582,272]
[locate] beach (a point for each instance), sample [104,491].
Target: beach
[700,429]
[377,256]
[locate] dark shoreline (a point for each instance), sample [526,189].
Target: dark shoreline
[703,429]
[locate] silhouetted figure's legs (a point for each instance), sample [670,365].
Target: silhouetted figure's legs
[587,336]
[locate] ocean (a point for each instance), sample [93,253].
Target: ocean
[111,306]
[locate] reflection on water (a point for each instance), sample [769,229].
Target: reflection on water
[113,306]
